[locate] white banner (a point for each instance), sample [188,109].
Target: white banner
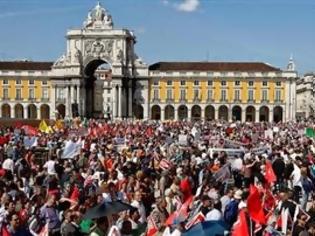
[183,140]
[71,150]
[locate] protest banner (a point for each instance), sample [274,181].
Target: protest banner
[231,152]
[182,140]
[71,150]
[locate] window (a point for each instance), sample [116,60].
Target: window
[196,72]
[278,95]
[44,82]
[210,94]
[250,83]
[31,81]
[108,100]
[45,93]
[183,82]
[250,95]
[155,82]
[237,95]
[265,83]
[237,83]
[196,93]
[5,81]
[223,83]
[196,82]
[210,82]
[278,83]
[18,81]
[182,94]
[109,91]
[156,94]
[223,95]
[18,93]
[31,93]
[61,93]
[264,95]
[169,94]
[169,82]
[5,93]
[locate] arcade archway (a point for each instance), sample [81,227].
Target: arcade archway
[32,111]
[223,113]
[156,112]
[44,111]
[237,113]
[18,111]
[196,112]
[6,111]
[250,114]
[264,114]
[138,112]
[61,109]
[210,113]
[182,112]
[277,114]
[169,112]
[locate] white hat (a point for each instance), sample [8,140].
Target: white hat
[238,194]
[242,204]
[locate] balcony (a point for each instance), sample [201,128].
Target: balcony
[45,99]
[196,100]
[169,100]
[251,101]
[32,99]
[61,100]
[237,100]
[223,100]
[210,100]
[264,101]
[278,101]
[156,100]
[18,98]
[183,100]
[6,98]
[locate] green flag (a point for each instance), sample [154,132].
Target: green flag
[310,132]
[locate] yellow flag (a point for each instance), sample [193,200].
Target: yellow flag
[59,125]
[43,127]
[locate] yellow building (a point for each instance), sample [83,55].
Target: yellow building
[221,90]
[25,89]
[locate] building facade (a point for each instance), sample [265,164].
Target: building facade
[305,96]
[101,75]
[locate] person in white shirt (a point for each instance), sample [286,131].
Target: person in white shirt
[226,199]
[50,166]
[215,213]
[8,164]
[137,203]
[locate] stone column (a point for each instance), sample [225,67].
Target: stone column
[270,114]
[25,112]
[73,98]
[1,112]
[202,114]
[130,113]
[114,99]
[38,113]
[162,113]
[68,101]
[120,99]
[257,115]
[243,115]
[52,110]
[189,114]
[216,115]
[12,113]
[176,113]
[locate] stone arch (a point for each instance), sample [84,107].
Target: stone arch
[277,114]
[6,111]
[32,111]
[44,112]
[138,111]
[61,108]
[237,113]
[224,113]
[196,112]
[169,112]
[210,113]
[250,114]
[156,112]
[264,113]
[182,112]
[18,111]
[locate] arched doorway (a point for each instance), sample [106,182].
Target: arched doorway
[18,111]
[182,112]
[196,112]
[6,111]
[264,114]
[96,72]
[223,113]
[250,114]
[169,112]
[32,111]
[237,113]
[277,114]
[210,113]
[138,112]
[44,111]
[156,112]
[61,111]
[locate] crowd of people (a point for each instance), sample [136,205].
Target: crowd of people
[249,178]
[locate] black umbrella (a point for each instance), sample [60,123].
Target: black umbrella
[107,209]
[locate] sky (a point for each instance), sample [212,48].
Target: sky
[170,30]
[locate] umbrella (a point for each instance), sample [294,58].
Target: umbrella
[107,209]
[209,228]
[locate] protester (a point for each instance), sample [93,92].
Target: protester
[171,175]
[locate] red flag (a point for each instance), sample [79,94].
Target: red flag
[149,132]
[3,140]
[254,206]
[195,220]
[75,194]
[4,231]
[44,231]
[240,227]
[270,174]
[165,164]
[152,227]
[181,214]
[185,187]
[30,130]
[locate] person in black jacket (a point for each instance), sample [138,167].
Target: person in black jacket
[278,167]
